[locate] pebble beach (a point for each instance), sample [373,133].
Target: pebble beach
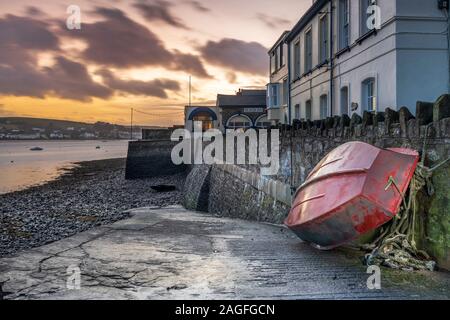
[92,193]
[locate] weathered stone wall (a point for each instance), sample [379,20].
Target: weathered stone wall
[156,134]
[240,191]
[150,159]
[196,188]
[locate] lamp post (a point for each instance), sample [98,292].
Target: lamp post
[131,125]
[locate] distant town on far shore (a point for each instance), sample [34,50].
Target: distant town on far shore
[20,128]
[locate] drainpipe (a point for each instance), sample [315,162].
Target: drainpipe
[331,58]
[448,46]
[291,171]
[289,82]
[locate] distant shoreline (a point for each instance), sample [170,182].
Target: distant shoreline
[16,140]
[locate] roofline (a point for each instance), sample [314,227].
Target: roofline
[200,106]
[306,18]
[279,40]
[245,106]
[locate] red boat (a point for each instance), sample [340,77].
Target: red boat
[352,191]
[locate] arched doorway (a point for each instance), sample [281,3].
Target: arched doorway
[205,115]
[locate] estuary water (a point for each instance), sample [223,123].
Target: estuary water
[21,168]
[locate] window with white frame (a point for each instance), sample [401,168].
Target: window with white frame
[281,55]
[323,106]
[323,38]
[308,110]
[273,95]
[344,24]
[308,50]
[285,92]
[297,112]
[369,98]
[273,66]
[364,15]
[344,101]
[262,122]
[239,122]
[297,60]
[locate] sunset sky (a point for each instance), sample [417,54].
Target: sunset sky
[136,53]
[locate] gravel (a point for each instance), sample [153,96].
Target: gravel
[93,193]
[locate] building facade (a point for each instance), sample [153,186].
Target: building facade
[243,110]
[278,88]
[351,56]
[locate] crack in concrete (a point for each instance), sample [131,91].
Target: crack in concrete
[79,246]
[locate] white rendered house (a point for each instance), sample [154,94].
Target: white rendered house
[278,88]
[351,56]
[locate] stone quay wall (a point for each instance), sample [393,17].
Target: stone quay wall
[146,159]
[241,191]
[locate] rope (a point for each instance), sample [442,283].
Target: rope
[396,247]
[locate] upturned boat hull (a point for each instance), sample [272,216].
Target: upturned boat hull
[351,192]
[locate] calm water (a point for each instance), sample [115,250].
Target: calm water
[20,167]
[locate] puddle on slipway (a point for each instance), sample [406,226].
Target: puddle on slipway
[202,277]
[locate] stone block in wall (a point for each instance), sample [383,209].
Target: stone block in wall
[347,133]
[378,117]
[342,123]
[358,131]
[380,129]
[413,130]
[367,119]
[441,108]
[390,117]
[336,120]
[329,123]
[404,116]
[438,219]
[356,120]
[429,131]
[196,188]
[444,126]
[424,112]
[395,130]
[369,131]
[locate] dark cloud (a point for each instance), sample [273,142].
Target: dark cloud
[189,63]
[65,79]
[240,56]
[273,22]
[198,6]
[71,80]
[159,10]
[26,33]
[114,41]
[155,88]
[120,42]
[33,11]
[21,38]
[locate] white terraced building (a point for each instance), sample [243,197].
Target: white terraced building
[338,65]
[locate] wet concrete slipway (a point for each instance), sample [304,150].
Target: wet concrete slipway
[172,253]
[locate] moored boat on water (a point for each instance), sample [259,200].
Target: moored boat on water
[355,189]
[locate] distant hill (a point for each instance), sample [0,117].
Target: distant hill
[43,123]
[37,128]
